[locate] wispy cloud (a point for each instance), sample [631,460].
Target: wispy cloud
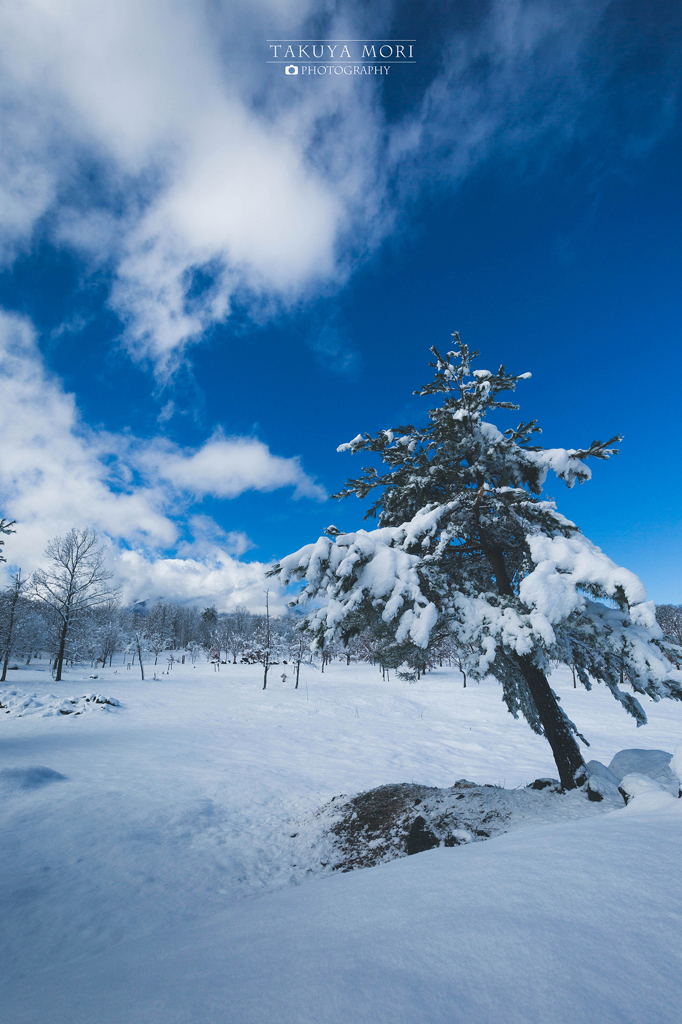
[152,138]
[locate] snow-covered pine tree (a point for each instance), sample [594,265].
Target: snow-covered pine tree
[465,539]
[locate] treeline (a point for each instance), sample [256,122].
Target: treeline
[97,635]
[70,611]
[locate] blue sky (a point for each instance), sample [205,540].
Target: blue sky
[213,275]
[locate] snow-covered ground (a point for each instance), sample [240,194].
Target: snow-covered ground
[131,865]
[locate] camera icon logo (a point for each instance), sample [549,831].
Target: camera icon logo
[291,69]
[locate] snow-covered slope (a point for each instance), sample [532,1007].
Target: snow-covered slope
[568,924]
[131,860]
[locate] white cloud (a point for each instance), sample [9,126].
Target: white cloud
[56,473]
[156,140]
[222,581]
[158,97]
[223,467]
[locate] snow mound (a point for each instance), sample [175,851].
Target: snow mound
[18,703]
[600,771]
[645,790]
[602,783]
[655,764]
[30,777]
[676,766]
[395,821]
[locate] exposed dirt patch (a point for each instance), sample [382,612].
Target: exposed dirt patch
[402,819]
[393,821]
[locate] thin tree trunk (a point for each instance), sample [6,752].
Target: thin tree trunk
[298,669]
[60,655]
[139,655]
[8,644]
[10,628]
[267,638]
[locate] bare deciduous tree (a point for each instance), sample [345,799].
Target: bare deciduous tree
[10,600]
[139,644]
[76,581]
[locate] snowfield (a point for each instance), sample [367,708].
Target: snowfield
[164,861]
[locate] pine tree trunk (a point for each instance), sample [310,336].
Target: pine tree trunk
[569,760]
[298,669]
